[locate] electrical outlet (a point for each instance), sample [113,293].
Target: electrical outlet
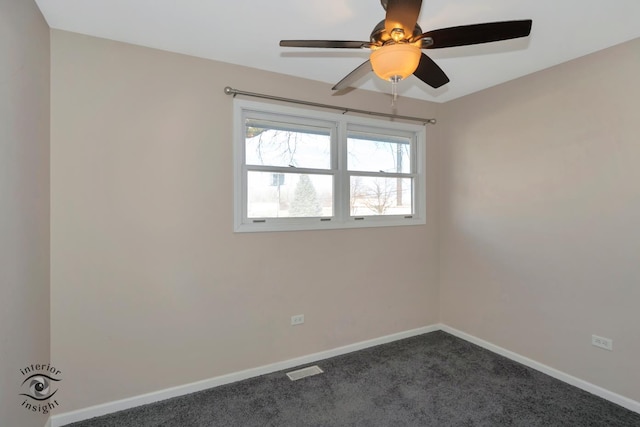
[602,342]
[298,319]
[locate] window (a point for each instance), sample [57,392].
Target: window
[298,169]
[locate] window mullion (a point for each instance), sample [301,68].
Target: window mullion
[342,184]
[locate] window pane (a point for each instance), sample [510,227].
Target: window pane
[283,144]
[381,196]
[288,195]
[378,153]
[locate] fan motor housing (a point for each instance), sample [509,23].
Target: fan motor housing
[379,36]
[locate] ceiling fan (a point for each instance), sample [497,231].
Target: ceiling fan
[397,41]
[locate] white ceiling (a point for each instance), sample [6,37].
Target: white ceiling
[247,32]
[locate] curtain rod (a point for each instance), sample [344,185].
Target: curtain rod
[230,91]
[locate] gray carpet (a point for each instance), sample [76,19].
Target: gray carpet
[434,379]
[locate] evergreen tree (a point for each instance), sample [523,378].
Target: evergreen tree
[305,199]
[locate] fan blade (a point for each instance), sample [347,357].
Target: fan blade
[353,76]
[344,44]
[476,34]
[402,14]
[430,73]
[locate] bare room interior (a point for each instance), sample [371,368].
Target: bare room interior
[122,263]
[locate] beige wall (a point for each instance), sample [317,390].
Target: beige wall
[538,205]
[150,286]
[24,202]
[540,208]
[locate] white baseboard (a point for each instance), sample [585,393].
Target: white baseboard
[569,379]
[119,405]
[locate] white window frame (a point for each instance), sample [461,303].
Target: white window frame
[339,124]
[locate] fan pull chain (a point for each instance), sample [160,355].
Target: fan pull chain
[394,89]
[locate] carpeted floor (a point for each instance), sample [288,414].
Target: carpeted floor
[434,379]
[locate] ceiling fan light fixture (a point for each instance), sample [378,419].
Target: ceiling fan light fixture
[396,44]
[395,61]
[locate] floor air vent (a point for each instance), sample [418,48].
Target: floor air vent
[304,372]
